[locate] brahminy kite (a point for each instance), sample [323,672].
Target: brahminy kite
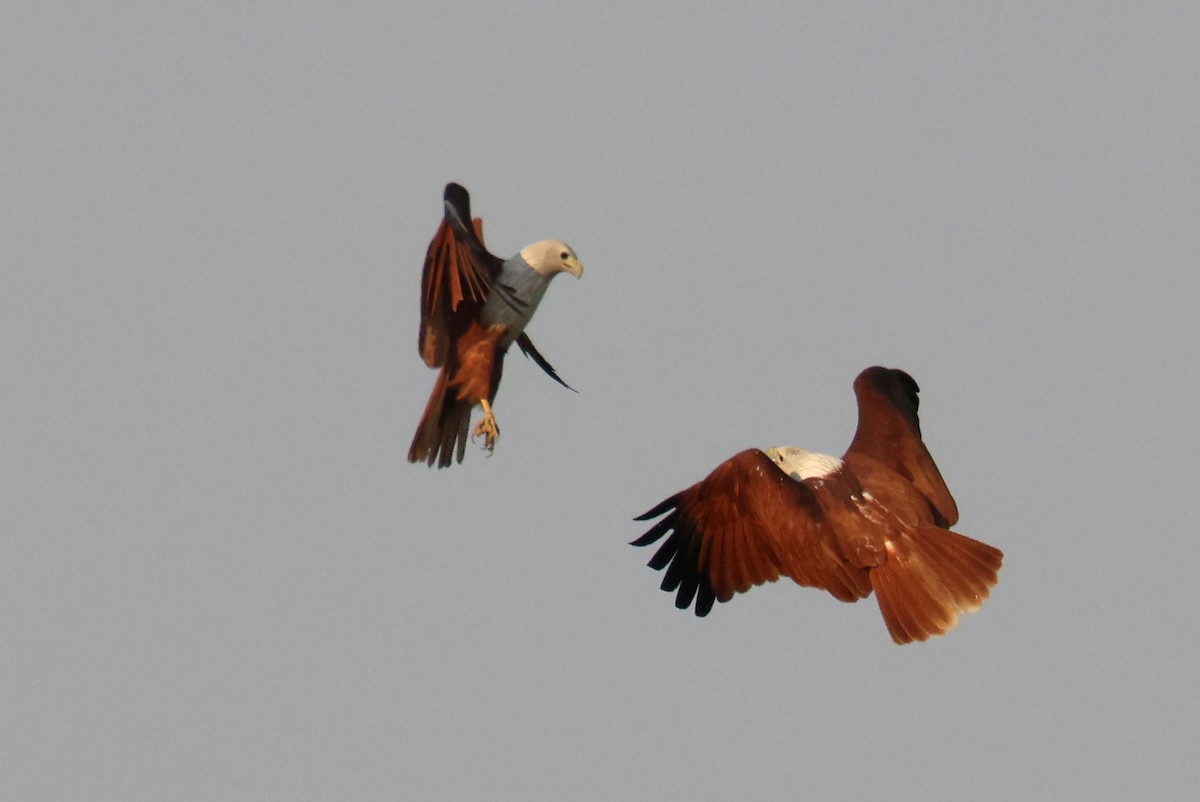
[474,305]
[875,520]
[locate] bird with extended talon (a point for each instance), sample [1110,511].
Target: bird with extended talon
[474,305]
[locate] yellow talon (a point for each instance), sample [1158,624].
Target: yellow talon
[487,428]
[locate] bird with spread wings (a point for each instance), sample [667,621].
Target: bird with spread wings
[876,520]
[474,305]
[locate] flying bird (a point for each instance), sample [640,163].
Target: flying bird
[474,305]
[875,520]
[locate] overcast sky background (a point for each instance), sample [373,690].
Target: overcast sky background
[220,578]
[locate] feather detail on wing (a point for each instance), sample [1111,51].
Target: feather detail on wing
[526,346]
[459,274]
[889,432]
[745,524]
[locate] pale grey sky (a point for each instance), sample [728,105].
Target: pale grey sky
[220,579]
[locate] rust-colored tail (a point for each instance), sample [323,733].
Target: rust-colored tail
[442,434]
[931,576]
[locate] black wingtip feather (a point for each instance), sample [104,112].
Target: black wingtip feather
[655,532]
[659,508]
[676,572]
[457,196]
[705,598]
[687,592]
[678,557]
[665,553]
[689,583]
[690,575]
[457,205]
[528,349]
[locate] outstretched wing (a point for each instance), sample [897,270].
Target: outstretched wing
[889,433]
[459,274]
[526,346]
[745,524]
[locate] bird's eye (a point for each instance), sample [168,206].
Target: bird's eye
[564,255]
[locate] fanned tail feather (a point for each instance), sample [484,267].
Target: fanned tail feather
[442,434]
[930,578]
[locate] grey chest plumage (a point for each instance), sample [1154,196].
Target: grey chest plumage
[527,287]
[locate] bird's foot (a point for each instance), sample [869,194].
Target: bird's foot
[488,430]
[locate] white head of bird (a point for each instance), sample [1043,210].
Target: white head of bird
[552,256]
[801,464]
